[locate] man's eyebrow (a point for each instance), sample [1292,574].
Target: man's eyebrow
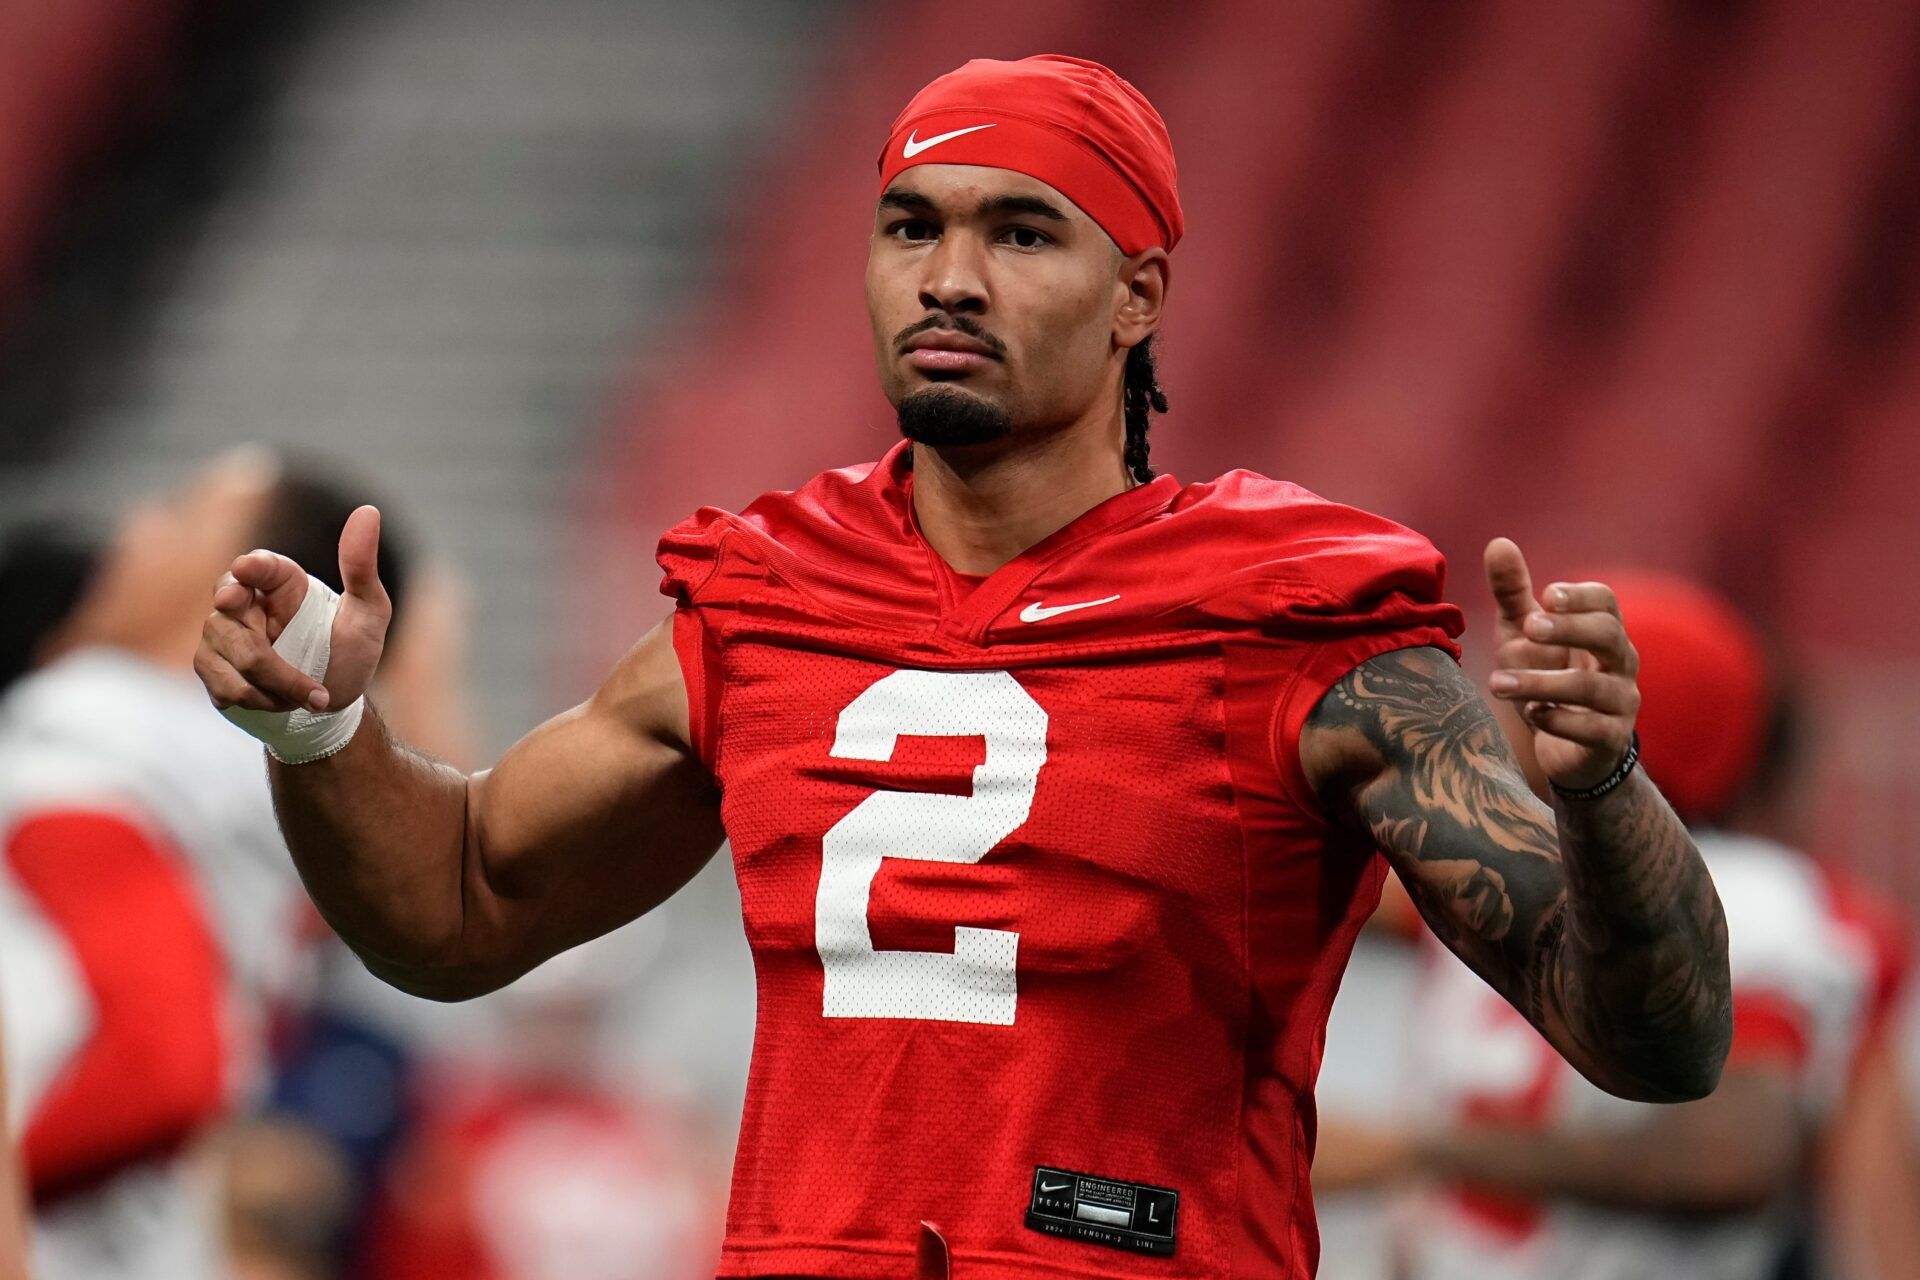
[914,202]
[1020,204]
[911,201]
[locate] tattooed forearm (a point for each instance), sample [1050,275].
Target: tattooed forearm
[1596,919]
[1645,919]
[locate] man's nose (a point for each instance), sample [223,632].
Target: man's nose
[955,281]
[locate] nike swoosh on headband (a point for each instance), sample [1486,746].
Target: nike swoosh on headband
[914,147]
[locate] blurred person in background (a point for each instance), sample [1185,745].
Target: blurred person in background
[1234,704]
[13,1194]
[1527,1170]
[1865,1172]
[145,904]
[286,1200]
[537,1160]
[44,569]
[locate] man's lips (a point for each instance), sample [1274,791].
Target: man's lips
[941,360]
[945,351]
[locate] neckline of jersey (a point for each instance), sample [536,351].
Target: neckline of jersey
[966,615]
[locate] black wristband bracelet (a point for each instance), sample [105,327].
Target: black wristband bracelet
[1608,783]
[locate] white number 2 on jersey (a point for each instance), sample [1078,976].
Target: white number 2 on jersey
[975,982]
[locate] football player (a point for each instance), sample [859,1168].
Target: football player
[1057,790]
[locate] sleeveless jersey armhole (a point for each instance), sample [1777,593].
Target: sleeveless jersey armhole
[699,656]
[1324,666]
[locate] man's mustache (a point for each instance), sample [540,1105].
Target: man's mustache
[955,324]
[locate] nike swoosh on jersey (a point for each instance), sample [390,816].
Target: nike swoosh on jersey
[1037,612]
[913,147]
[1045,1186]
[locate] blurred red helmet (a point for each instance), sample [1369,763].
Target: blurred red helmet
[1704,686]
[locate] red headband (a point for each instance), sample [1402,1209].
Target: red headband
[1071,123]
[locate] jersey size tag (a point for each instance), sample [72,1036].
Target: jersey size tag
[1120,1215]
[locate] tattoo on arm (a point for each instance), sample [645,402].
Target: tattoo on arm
[1596,919]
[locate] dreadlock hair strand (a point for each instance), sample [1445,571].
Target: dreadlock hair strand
[1140,396]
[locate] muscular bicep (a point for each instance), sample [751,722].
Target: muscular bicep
[594,818]
[1404,748]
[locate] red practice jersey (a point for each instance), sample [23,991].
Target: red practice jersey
[1045,917]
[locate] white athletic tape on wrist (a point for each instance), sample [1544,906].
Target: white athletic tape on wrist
[302,736]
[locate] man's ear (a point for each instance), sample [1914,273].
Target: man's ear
[1143,280]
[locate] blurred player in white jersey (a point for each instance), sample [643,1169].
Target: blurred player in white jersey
[538,1158]
[145,901]
[1528,1172]
[13,1199]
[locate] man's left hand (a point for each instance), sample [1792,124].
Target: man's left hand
[1565,661]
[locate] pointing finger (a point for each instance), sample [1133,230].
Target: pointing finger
[1507,576]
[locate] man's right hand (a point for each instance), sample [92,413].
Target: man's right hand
[256,599]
